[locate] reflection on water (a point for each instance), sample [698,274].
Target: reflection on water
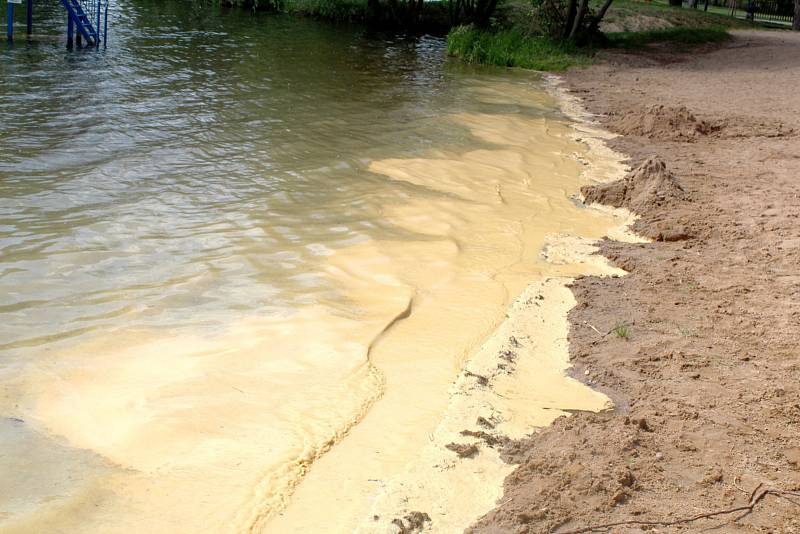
[197,159]
[222,239]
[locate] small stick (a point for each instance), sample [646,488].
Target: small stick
[593,328]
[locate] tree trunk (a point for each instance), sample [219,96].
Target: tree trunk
[415,12]
[393,15]
[796,21]
[452,9]
[598,18]
[571,8]
[373,10]
[483,12]
[576,25]
[468,9]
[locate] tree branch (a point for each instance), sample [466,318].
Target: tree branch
[755,497]
[593,27]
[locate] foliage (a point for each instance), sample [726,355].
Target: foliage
[407,15]
[530,33]
[512,48]
[257,5]
[477,12]
[549,17]
[335,10]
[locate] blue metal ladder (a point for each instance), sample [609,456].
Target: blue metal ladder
[85,17]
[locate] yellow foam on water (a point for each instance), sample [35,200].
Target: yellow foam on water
[316,420]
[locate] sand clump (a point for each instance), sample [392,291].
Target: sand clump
[680,124]
[662,122]
[649,185]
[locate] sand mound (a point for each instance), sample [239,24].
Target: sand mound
[647,186]
[663,122]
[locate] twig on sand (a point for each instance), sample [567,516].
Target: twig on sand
[737,486]
[593,328]
[505,502]
[602,335]
[755,497]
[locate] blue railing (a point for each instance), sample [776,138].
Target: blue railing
[87,19]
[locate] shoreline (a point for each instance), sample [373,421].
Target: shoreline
[706,380]
[525,356]
[489,398]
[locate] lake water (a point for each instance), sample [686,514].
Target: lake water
[229,239]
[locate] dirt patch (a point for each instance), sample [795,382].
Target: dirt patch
[412,522]
[463,450]
[490,439]
[707,381]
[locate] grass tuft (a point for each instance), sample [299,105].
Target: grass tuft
[623,331]
[512,48]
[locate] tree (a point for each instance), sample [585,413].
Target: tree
[796,21]
[574,20]
[477,12]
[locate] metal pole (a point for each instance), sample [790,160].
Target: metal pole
[97,28]
[30,17]
[105,27]
[10,22]
[70,31]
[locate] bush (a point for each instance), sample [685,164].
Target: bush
[337,10]
[549,17]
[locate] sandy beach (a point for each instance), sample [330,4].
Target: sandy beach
[697,345]
[263,274]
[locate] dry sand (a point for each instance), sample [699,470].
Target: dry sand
[706,383]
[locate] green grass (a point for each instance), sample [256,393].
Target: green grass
[656,22]
[512,48]
[623,331]
[682,38]
[627,10]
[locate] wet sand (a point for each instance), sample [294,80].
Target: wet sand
[403,457]
[706,379]
[329,407]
